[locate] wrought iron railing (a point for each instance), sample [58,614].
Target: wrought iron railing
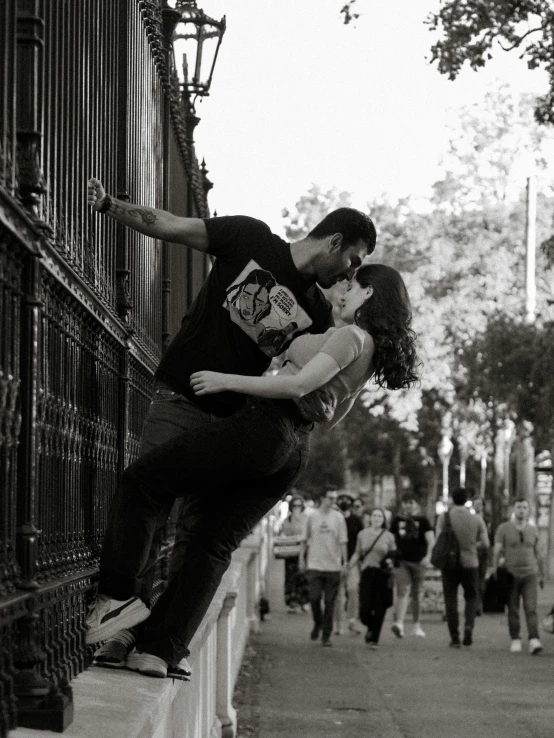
[86,308]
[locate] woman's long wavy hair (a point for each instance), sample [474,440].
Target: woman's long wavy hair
[387,317]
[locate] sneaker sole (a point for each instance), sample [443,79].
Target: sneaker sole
[133,614]
[111,655]
[146,664]
[178,672]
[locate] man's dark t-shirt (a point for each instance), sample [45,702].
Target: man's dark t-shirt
[252,304]
[353,525]
[409,533]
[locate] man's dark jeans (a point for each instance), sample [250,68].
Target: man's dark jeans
[469,579]
[230,473]
[525,588]
[324,583]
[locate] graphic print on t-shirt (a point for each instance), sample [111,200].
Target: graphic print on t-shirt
[265,310]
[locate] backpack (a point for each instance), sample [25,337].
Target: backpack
[446,551]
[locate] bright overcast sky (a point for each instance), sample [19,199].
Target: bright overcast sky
[299,98]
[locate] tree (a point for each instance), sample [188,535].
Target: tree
[471,29]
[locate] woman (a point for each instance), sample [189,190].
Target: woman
[296,586]
[256,441]
[374,547]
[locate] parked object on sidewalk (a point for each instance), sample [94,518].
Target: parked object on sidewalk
[264,608]
[496,596]
[548,622]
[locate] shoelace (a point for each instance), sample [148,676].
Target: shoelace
[125,637]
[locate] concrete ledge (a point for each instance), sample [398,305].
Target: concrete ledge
[127,705]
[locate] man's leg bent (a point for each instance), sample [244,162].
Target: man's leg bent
[238,508]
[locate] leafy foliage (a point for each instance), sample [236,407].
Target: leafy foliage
[472,29]
[464,264]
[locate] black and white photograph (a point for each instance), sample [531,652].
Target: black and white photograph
[276,368]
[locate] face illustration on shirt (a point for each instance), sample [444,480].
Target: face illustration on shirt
[265,310]
[251,298]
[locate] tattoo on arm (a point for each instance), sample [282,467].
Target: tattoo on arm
[147,216]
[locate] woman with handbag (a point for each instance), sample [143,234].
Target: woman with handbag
[374,548]
[296,585]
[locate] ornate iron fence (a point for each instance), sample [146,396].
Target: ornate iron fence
[86,308]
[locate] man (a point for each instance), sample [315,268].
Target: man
[482,554]
[517,547]
[414,541]
[470,531]
[324,557]
[348,599]
[358,507]
[218,334]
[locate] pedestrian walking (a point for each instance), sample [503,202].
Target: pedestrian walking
[347,600]
[296,585]
[324,557]
[482,553]
[517,547]
[469,531]
[375,546]
[414,540]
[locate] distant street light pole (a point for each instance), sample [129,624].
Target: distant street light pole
[445,452]
[531,238]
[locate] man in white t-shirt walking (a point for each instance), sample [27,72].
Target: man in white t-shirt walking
[517,542]
[324,556]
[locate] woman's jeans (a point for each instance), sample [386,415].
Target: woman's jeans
[229,472]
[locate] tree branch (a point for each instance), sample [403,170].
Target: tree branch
[518,42]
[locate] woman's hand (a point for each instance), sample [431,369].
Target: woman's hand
[208,383]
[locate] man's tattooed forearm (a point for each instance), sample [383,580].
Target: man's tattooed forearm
[147,216]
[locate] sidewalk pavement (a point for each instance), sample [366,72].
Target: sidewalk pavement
[291,687]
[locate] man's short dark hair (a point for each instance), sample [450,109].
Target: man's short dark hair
[521,499]
[353,224]
[459,496]
[408,497]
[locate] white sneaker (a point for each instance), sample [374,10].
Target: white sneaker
[535,646]
[114,652]
[515,646]
[146,663]
[107,616]
[418,631]
[353,627]
[398,630]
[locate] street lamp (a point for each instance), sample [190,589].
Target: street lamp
[445,452]
[196,42]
